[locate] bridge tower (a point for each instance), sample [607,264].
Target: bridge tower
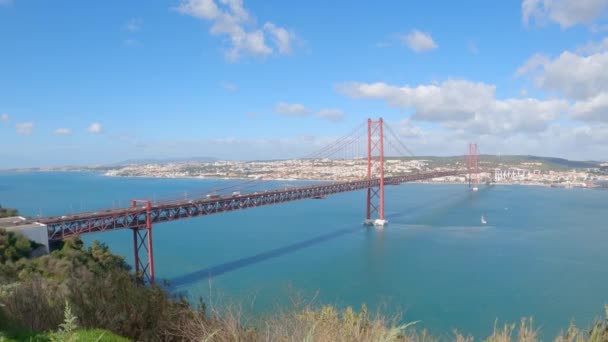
[473,167]
[375,160]
[142,244]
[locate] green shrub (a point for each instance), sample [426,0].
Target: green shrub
[14,246]
[7,212]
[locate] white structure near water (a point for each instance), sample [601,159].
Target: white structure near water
[378,223]
[34,231]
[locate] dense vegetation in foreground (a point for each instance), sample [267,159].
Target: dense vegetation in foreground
[88,294]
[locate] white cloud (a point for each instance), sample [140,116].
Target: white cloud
[204,9]
[281,37]
[297,109]
[575,76]
[577,142]
[580,76]
[62,131]
[4,117]
[407,129]
[464,105]
[593,47]
[566,13]
[95,128]
[230,18]
[331,114]
[134,25]
[532,64]
[594,109]
[452,100]
[24,128]
[419,41]
[589,135]
[581,142]
[291,109]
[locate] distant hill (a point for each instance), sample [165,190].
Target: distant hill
[486,160]
[567,163]
[164,161]
[547,162]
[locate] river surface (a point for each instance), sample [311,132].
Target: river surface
[542,253]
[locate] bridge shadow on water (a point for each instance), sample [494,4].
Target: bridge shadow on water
[447,200]
[452,199]
[217,270]
[213,271]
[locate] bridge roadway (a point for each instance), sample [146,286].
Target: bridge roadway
[64,226]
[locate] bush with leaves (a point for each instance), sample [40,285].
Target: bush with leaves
[99,288]
[8,212]
[14,246]
[72,259]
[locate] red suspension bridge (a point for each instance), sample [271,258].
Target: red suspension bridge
[371,141]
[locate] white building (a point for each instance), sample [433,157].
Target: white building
[34,231]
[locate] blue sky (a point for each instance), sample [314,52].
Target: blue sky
[86,82]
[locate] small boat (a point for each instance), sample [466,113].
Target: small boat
[483,220]
[320,197]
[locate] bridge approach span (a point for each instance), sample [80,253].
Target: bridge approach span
[62,227]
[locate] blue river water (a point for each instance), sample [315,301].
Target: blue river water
[543,252]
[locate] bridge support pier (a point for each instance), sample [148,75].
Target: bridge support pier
[473,167]
[375,194]
[142,245]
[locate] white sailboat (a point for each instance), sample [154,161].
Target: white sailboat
[483,220]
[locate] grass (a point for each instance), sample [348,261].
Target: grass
[68,331]
[302,323]
[97,335]
[328,324]
[92,335]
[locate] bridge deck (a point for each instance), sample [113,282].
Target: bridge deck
[111,219]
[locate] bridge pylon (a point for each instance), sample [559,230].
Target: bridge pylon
[142,244]
[473,167]
[375,163]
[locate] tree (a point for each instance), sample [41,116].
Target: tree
[14,246]
[7,212]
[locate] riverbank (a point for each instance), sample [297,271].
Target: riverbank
[312,180]
[318,180]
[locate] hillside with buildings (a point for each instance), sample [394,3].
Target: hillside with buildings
[509,169]
[495,169]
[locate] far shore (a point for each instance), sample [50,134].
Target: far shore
[313,180]
[283,179]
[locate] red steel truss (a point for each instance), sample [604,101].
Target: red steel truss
[142,244]
[473,166]
[375,155]
[143,214]
[140,217]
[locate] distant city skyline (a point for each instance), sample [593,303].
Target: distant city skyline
[95,83]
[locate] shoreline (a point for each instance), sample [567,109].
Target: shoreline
[104,174]
[316,180]
[221,178]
